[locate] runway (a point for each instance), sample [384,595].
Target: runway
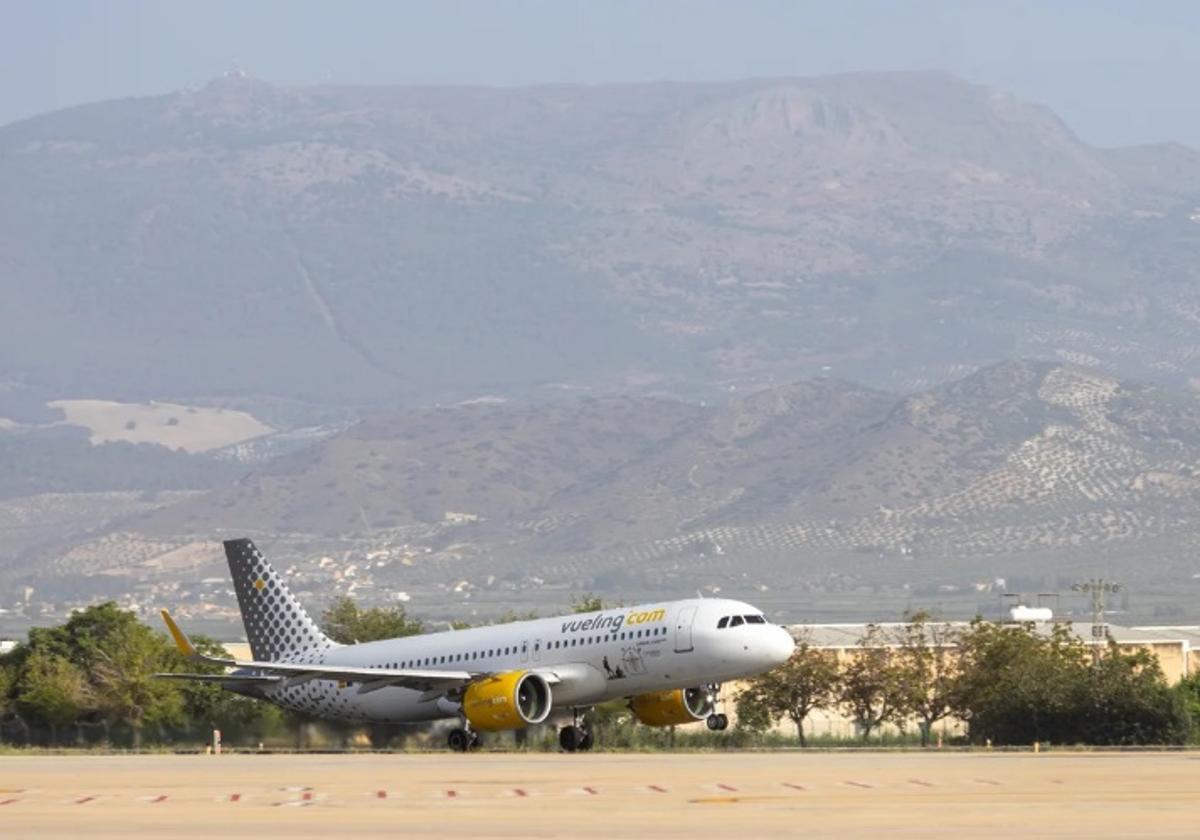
[738,795]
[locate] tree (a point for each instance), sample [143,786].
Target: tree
[344,621]
[84,634]
[872,686]
[927,671]
[510,616]
[1188,691]
[126,689]
[586,603]
[53,690]
[753,714]
[9,684]
[1130,703]
[1017,685]
[806,682]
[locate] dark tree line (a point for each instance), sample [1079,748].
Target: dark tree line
[90,681]
[1009,683]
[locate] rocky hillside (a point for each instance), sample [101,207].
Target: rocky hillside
[396,246]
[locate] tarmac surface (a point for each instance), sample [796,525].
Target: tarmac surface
[723,795]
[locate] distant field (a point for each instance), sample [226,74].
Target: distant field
[183,427]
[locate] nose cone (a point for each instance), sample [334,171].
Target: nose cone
[781,646]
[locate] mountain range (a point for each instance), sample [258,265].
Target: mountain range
[399,246]
[809,340]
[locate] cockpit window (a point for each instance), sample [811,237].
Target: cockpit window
[736,621]
[755,619]
[723,623]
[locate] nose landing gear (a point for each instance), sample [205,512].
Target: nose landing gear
[717,721]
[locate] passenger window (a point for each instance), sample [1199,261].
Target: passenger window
[737,621]
[723,623]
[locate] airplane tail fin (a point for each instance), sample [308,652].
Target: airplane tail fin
[277,627]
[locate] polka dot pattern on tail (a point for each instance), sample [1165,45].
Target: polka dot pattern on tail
[277,627]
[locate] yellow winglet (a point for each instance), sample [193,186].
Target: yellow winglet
[181,641]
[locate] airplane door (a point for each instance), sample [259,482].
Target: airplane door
[683,629]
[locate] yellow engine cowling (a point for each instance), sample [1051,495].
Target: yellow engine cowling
[671,708]
[507,701]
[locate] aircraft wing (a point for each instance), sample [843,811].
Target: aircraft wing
[434,683]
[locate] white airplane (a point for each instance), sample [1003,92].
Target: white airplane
[668,659]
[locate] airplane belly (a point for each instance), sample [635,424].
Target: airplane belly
[329,699]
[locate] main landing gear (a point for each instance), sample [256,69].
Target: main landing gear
[464,739]
[575,737]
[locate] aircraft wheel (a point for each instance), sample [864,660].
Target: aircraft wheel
[585,742]
[570,738]
[459,740]
[722,722]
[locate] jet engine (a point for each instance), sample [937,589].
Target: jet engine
[507,701]
[671,708]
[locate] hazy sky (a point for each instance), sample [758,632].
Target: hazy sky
[1118,72]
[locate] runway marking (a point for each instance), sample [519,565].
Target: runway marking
[8,801]
[920,782]
[590,790]
[656,788]
[520,792]
[793,786]
[84,800]
[857,784]
[381,794]
[306,796]
[451,794]
[235,797]
[724,786]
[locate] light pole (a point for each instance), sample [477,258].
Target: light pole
[1098,588]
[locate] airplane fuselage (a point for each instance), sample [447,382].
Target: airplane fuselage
[587,658]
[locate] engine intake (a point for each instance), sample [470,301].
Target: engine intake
[507,701]
[671,708]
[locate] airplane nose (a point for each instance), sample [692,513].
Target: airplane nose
[782,645]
